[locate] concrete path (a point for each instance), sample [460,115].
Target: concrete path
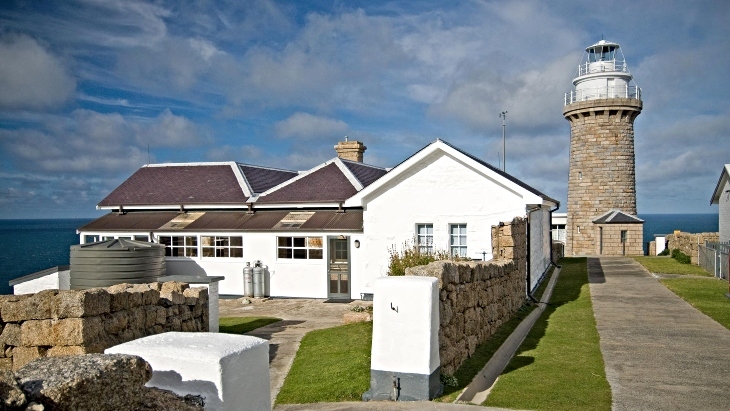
[660,352]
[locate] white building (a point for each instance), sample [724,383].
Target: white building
[721,197]
[325,232]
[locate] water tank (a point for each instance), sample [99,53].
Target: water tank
[113,262]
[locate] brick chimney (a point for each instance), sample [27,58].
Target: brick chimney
[350,150]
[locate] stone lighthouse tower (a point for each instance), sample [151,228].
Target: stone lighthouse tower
[602,181]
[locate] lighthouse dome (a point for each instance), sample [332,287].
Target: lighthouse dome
[602,73]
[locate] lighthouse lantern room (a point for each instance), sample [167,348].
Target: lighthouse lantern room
[603,73]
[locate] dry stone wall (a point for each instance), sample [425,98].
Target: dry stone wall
[688,243]
[476,298]
[63,322]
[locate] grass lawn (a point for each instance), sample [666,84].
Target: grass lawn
[705,294]
[242,325]
[559,365]
[668,265]
[331,365]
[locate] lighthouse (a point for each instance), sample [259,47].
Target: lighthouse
[601,110]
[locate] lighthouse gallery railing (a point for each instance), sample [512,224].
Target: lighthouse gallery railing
[602,92]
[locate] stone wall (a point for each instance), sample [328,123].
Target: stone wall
[688,243]
[476,298]
[609,239]
[602,168]
[53,322]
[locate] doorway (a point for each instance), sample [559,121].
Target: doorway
[338,267]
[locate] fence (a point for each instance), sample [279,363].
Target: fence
[713,257]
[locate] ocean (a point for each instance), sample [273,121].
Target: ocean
[29,246]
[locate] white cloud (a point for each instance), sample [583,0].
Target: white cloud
[30,76]
[307,126]
[169,130]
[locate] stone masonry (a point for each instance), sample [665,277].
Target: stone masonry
[65,322]
[602,166]
[688,243]
[476,298]
[612,244]
[350,150]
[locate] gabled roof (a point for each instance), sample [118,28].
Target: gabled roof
[176,184]
[617,217]
[724,177]
[326,183]
[364,173]
[498,175]
[260,179]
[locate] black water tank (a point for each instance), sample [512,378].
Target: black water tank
[113,262]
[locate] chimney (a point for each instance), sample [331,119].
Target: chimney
[350,150]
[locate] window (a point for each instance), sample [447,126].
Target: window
[624,235]
[299,248]
[91,239]
[222,246]
[458,239]
[424,238]
[179,245]
[142,238]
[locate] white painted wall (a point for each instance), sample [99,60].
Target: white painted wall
[441,190]
[52,281]
[405,325]
[724,213]
[539,244]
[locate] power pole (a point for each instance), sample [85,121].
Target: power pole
[503,115]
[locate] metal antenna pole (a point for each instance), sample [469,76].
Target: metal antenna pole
[503,115]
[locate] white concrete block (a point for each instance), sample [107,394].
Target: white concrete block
[230,371]
[405,347]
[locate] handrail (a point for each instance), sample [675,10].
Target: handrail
[602,92]
[602,66]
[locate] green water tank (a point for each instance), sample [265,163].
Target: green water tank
[117,261]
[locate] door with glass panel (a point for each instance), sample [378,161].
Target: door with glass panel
[338,267]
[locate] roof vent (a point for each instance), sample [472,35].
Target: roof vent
[350,150]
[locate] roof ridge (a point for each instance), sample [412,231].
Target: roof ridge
[267,167]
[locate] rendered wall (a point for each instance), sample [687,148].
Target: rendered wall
[65,322]
[53,281]
[464,196]
[476,298]
[724,217]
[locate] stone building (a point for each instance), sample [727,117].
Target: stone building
[602,180]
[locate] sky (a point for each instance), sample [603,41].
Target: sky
[91,90]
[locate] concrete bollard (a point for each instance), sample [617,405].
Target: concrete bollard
[231,372]
[405,364]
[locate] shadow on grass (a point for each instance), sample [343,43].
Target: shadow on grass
[566,290]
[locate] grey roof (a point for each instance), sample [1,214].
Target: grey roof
[724,178]
[364,173]
[617,217]
[261,179]
[177,184]
[325,185]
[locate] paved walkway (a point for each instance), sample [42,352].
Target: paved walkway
[660,352]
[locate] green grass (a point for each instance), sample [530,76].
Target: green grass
[705,294]
[668,265]
[473,365]
[242,325]
[559,365]
[331,365]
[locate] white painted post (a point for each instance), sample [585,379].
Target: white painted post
[405,363]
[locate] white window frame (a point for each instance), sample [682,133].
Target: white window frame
[188,250]
[424,237]
[457,241]
[223,246]
[308,251]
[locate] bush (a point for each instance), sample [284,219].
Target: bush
[664,252]
[412,256]
[681,257]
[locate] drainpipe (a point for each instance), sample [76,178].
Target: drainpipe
[551,238]
[529,255]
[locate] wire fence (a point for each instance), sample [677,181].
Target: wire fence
[714,257]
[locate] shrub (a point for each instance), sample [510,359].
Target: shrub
[412,256]
[681,257]
[664,252]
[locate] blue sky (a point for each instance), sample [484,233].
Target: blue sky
[87,86]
